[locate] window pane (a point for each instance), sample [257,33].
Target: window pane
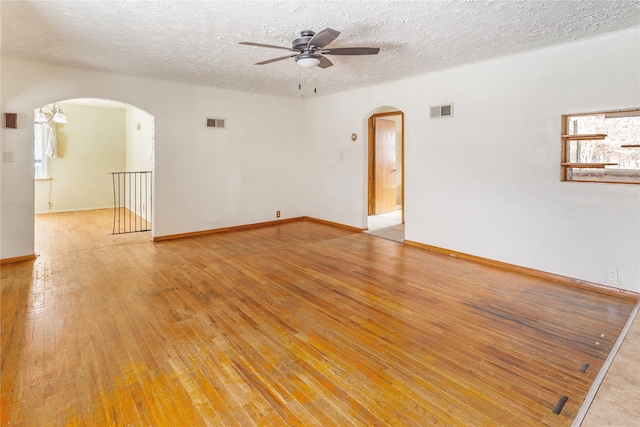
[607,140]
[39,151]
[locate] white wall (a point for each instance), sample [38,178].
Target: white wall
[487,181]
[204,178]
[140,134]
[90,145]
[139,130]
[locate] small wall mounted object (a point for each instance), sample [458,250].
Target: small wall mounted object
[354,136]
[441,111]
[11,120]
[215,123]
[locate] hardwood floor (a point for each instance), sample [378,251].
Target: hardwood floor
[77,231]
[296,324]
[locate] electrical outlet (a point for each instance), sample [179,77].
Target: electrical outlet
[613,275]
[277,214]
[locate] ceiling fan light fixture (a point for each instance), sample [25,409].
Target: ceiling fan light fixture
[307,61]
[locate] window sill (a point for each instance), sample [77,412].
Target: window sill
[587,165]
[44,179]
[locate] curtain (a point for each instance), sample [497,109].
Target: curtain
[51,140]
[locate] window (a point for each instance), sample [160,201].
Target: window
[601,147]
[40,150]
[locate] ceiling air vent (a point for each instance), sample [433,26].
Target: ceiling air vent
[215,123]
[442,111]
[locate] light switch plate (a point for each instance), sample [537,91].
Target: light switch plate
[7,156]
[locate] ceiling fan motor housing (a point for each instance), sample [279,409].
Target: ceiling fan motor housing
[302,41]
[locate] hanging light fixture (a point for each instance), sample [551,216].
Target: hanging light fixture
[40,117]
[56,115]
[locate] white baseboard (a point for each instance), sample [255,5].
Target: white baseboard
[71,210]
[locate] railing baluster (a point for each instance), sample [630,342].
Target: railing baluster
[119,203]
[130,192]
[113,181]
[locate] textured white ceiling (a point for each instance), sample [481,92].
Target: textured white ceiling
[197,41]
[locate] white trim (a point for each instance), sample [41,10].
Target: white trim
[73,210]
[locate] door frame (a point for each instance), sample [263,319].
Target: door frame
[371,160]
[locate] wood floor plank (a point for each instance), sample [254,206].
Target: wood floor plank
[296,324]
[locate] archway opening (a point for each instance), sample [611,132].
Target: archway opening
[86,150]
[385,173]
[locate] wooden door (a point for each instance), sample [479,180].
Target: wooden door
[385,166]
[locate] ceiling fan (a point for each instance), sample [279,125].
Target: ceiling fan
[310,49]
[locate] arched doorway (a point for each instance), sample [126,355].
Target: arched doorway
[385,173]
[75,160]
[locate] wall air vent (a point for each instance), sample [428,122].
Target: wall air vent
[442,111]
[215,123]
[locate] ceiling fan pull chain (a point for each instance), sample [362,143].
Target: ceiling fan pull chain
[300,82]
